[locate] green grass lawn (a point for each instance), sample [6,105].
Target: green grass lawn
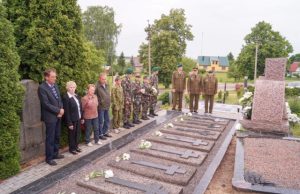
[296,130]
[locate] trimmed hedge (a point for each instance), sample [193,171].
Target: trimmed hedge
[11,99]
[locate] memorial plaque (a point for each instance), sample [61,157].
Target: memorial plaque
[159,169]
[210,119]
[125,182]
[190,132]
[176,154]
[184,142]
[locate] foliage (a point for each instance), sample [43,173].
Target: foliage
[294,104]
[271,44]
[49,34]
[168,43]
[220,94]
[101,29]
[11,96]
[188,64]
[292,92]
[164,98]
[120,67]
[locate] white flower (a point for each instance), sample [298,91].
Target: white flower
[145,144]
[158,133]
[238,126]
[247,108]
[170,125]
[126,156]
[181,119]
[118,159]
[189,114]
[108,174]
[241,100]
[87,178]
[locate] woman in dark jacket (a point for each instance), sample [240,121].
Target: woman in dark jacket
[73,116]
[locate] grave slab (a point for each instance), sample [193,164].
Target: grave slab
[207,120]
[125,182]
[198,126]
[191,132]
[180,155]
[159,169]
[184,142]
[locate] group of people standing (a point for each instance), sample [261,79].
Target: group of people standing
[92,110]
[196,85]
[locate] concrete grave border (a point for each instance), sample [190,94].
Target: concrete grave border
[238,181]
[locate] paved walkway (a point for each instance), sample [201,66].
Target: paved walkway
[38,171]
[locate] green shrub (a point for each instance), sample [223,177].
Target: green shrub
[164,97]
[291,92]
[220,94]
[251,89]
[294,104]
[11,96]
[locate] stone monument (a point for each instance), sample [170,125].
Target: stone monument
[32,131]
[269,109]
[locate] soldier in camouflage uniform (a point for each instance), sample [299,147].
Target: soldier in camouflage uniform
[146,93]
[127,91]
[137,98]
[154,84]
[117,101]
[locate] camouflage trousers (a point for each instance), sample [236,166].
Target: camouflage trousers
[117,118]
[126,112]
[145,106]
[137,105]
[153,101]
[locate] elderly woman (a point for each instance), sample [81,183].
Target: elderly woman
[90,115]
[73,115]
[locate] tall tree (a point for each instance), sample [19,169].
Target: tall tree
[233,71]
[100,28]
[270,44]
[121,64]
[52,37]
[11,99]
[169,35]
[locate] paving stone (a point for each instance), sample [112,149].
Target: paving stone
[191,132]
[181,175]
[164,140]
[181,155]
[102,185]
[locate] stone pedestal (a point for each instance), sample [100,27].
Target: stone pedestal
[268,110]
[32,131]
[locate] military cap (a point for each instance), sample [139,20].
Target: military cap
[129,70]
[155,69]
[179,65]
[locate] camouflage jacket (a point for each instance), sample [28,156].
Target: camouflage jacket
[154,82]
[117,99]
[136,90]
[148,90]
[127,89]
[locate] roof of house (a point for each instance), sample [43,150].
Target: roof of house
[294,66]
[207,60]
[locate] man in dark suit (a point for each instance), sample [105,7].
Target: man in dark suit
[51,112]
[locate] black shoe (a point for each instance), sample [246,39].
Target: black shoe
[130,125]
[173,109]
[78,150]
[145,118]
[102,137]
[135,122]
[126,126]
[107,135]
[139,122]
[59,156]
[150,115]
[179,110]
[153,113]
[195,111]
[51,163]
[73,152]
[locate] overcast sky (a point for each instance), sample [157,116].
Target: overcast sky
[223,23]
